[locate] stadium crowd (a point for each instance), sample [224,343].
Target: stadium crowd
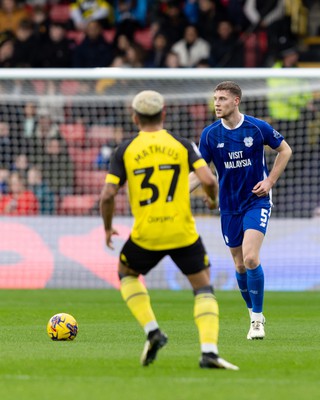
[53,157]
[145,33]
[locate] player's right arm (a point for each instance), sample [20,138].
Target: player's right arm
[196,177]
[108,194]
[114,180]
[202,175]
[210,185]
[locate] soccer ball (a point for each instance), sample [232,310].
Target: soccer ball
[62,327]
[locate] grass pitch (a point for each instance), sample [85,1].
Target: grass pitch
[103,361]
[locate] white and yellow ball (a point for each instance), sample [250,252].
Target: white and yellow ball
[62,327]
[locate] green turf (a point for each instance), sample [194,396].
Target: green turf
[103,361]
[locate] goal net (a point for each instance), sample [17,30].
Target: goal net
[58,129]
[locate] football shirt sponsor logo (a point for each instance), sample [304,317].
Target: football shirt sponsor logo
[276,134]
[161,219]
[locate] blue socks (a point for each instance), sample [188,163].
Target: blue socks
[255,282]
[243,287]
[251,285]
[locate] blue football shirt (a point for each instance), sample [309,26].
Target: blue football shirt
[239,158]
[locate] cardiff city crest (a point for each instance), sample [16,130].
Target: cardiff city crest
[248,141]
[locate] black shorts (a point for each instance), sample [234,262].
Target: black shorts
[190,259]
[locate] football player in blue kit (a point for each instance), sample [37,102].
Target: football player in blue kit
[234,143]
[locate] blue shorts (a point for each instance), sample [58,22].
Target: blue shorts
[234,226]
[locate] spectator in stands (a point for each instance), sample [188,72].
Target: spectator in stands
[41,22]
[170,19]
[130,15]
[284,104]
[52,103]
[19,201]
[85,11]
[290,106]
[57,168]
[172,60]
[45,196]
[121,43]
[191,49]
[235,14]
[7,146]
[17,86]
[118,62]
[4,180]
[135,56]
[226,49]
[6,50]
[102,161]
[21,164]
[203,63]
[11,15]
[29,120]
[267,16]
[25,52]
[191,11]
[46,128]
[94,51]
[57,49]
[211,12]
[157,55]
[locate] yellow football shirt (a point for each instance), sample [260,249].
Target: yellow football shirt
[156,166]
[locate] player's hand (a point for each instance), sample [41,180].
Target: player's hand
[211,204]
[109,234]
[262,188]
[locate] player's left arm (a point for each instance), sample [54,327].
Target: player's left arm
[203,152]
[194,181]
[262,188]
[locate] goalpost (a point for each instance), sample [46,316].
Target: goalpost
[58,129]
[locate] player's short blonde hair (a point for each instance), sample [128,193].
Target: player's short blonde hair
[148,103]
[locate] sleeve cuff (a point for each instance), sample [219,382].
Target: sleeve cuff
[199,163]
[112,179]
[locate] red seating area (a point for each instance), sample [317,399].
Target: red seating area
[73,134]
[256,47]
[66,88]
[83,158]
[60,13]
[78,204]
[141,36]
[84,144]
[88,204]
[89,182]
[98,135]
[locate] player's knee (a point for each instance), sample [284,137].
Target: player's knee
[203,290]
[124,275]
[124,271]
[240,268]
[251,261]
[121,275]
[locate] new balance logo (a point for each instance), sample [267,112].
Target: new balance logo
[220,145]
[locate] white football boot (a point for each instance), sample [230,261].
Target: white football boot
[256,330]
